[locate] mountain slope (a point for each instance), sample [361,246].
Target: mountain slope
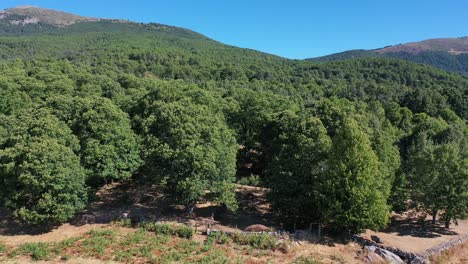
[116,48]
[449,54]
[33,15]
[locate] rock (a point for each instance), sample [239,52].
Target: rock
[373,257]
[389,256]
[418,260]
[257,228]
[370,248]
[376,239]
[124,216]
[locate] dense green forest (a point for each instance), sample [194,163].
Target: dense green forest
[342,143]
[441,59]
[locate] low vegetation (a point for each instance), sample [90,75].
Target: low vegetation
[458,254]
[151,243]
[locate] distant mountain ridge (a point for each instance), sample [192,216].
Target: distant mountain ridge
[449,54]
[23,15]
[31,20]
[453,46]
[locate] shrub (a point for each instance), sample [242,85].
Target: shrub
[3,248]
[181,231]
[306,260]
[123,222]
[252,180]
[98,241]
[38,251]
[219,237]
[257,241]
[42,181]
[184,231]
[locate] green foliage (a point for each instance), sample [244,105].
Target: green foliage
[3,248]
[109,147]
[103,101]
[256,241]
[37,251]
[438,163]
[298,150]
[354,182]
[42,179]
[11,98]
[181,231]
[306,260]
[190,150]
[252,180]
[440,59]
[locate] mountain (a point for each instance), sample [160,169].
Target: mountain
[23,15]
[449,54]
[30,19]
[117,48]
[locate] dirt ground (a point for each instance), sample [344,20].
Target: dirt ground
[148,204]
[113,201]
[409,235]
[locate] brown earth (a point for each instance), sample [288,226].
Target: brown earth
[148,204]
[452,45]
[410,235]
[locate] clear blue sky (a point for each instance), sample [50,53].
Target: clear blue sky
[294,28]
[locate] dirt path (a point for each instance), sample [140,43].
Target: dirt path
[414,238]
[61,233]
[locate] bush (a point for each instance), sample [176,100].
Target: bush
[123,223]
[257,241]
[219,237]
[3,248]
[38,251]
[181,231]
[252,180]
[98,241]
[184,231]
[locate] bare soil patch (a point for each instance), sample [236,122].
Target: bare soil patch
[409,234]
[148,204]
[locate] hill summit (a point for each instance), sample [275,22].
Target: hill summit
[451,45]
[24,15]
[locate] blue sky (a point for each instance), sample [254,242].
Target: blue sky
[295,28]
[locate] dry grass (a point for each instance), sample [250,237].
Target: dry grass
[133,246]
[456,255]
[128,245]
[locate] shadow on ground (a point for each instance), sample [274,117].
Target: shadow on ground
[417,228]
[116,201]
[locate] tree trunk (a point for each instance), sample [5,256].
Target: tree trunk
[447,222]
[434,216]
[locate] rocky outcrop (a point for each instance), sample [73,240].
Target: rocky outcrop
[385,254]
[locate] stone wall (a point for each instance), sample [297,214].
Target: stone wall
[413,257]
[404,255]
[445,246]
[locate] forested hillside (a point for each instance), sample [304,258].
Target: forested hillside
[450,54]
[342,143]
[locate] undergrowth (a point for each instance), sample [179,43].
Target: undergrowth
[151,243]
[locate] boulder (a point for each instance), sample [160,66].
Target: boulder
[389,256]
[376,239]
[257,228]
[370,248]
